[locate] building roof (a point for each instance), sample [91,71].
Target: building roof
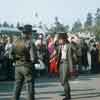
[9,29]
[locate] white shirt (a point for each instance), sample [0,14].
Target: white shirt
[64,51]
[8,49]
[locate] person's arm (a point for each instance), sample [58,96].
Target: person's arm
[53,54]
[33,52]
[70,62]
[13,53]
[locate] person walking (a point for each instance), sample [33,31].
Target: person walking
[65,64]
[25,55]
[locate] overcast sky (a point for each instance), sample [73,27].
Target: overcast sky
[67,10]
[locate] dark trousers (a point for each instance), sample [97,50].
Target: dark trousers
[67,90]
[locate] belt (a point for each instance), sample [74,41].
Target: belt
[63,60]
[22,62]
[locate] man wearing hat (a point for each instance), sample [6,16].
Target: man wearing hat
[65,63]
[25,56]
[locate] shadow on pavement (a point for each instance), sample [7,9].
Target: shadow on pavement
[83,89]
[90,96]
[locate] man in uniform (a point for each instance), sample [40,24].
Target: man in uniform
[65,64]
[25,54]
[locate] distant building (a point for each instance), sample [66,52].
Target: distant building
[9,31]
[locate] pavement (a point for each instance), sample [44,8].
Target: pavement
[84,87]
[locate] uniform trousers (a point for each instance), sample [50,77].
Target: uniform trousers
[24,74]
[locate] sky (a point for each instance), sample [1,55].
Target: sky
[68,11]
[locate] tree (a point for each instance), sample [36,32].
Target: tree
[97,17]
[5,24]
[97,23]
[0,25]
[67,28]
[12,26]
[18,25]
[58,27]
[77,26]
[89,22]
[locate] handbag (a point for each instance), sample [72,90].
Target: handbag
[40,65]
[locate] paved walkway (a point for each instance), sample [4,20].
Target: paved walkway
[83,88]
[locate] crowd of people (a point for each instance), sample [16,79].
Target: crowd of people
[87,55]
[6,60]
[59,55]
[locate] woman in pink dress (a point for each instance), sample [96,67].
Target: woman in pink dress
[53,61]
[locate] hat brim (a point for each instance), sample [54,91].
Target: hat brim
[27,32]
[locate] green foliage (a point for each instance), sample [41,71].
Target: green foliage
[58,27]
[77,26]
[18,25]
[0,25]
[5,24]
[97,24]
[89,22]
[97,17]
[12,26]
[97,29]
